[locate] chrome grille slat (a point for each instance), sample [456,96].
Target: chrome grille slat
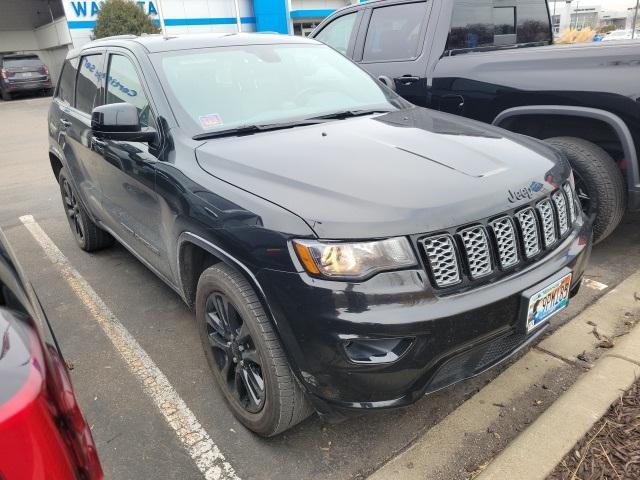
[441,253]
[573,212]
[529,229]
[561,210]
[476,245]
[548,222]
[506,241]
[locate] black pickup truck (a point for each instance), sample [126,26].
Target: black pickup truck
[494,61]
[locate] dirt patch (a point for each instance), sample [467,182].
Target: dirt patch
[611,449]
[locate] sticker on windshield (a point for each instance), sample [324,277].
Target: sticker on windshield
[210,121]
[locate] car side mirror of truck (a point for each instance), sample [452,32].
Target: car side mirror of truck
[388,82]
[120,121]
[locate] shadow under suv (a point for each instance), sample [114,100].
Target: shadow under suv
[343,249]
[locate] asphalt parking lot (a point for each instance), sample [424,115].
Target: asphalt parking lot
[133,438]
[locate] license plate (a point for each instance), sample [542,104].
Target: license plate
[26,75]
[547,302]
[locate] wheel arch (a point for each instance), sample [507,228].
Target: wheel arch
[188,275]
[513,119]
[195,254]
[56,164]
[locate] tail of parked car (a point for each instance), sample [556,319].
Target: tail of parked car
[23,74]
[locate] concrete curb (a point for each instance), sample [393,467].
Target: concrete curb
[534,454]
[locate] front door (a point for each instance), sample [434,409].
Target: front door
[392,47]
[128,170]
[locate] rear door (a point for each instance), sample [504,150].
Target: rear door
[128,169]
[391,44]
[79,92]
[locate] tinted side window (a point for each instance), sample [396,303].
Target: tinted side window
[67,81]
[87,86]
[338,33]
[486,23]
[394,32]
[533,21]
[124,86]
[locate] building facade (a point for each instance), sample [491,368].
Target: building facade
[579,14]
[198,16]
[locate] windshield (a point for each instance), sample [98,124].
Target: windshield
[228,87]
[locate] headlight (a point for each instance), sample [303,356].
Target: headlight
[354,260]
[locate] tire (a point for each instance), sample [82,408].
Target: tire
[282,402]
[599,183]
[6,96]
[87,234]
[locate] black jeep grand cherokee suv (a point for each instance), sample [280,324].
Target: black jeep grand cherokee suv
[343,249]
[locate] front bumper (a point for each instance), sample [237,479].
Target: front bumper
[445,339]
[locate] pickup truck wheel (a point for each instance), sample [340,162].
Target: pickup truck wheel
[599,183]
[245,354]
[88,235]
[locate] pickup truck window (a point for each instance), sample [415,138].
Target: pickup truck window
[394,32]
[497,23]
[338,32]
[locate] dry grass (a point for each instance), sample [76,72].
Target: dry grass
[574,36]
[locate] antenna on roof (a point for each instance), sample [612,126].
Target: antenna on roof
[161,15]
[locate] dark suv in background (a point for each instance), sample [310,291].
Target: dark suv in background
[23,73]
[343,249]
[493,60]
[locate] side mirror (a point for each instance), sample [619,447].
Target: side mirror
[387,81]
[119,121]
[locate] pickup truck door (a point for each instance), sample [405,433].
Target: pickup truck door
[391,45]
[128,169]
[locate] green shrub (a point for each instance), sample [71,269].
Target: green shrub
[121,17]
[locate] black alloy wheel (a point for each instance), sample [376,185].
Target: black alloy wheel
[588,205]
[245,355]
[235,353]
[87,234]
[72,209]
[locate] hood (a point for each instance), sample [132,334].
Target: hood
[405,172]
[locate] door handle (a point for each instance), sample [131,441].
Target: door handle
[408,79]
[65,123]
[454,99]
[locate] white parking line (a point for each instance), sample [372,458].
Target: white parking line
[206,454]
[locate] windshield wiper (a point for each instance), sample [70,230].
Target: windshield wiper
[249,129]
[351,113]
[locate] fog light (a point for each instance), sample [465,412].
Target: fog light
[375,351]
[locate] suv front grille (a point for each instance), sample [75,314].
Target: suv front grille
[573,209]
[561,210]
[476,247]
[441,255]
[529,228]
[471,251]
[548,222]
[506,241]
